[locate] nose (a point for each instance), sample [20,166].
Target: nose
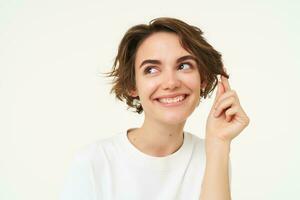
[170,81]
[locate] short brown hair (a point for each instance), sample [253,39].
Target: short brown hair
[123,71]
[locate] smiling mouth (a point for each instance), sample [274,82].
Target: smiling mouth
[172,101]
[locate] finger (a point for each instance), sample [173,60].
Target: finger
[226,95]
[225,83]
[220,91]
[229,114]
[225,104]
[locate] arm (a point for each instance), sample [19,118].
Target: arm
[215,183]
[225,121]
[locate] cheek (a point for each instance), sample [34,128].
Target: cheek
[146,88]
[193,81]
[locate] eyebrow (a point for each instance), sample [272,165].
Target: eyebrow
[151,61]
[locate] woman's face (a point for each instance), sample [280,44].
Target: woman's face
[167,79]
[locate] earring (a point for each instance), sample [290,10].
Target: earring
[202,90]
[136,103]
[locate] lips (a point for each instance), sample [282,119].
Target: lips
[171,100]
[171,96]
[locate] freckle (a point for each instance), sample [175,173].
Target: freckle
[170,135]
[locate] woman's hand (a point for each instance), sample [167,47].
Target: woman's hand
[226,118]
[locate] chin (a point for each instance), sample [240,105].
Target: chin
[174,118]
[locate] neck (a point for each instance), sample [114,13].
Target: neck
[157,139]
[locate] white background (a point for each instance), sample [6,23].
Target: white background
[53,99]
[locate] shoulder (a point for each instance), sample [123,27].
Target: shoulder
[196,139]
[197,143]
[80,180]
[96,150]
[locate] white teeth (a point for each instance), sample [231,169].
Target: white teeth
[171,100]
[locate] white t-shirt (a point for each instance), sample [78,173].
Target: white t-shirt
[114,169]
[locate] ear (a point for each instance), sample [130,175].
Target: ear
[133,93]
[203,84]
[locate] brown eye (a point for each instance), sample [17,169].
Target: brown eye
[150,70]
[185,66]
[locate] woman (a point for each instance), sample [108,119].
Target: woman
[163,69]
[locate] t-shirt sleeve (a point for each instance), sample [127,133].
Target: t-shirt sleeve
[79,182]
